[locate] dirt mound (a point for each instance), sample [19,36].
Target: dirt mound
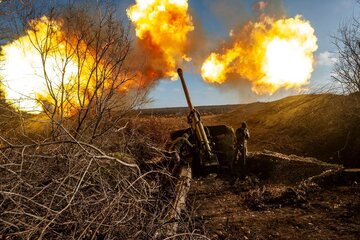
[279,168]
[309,125]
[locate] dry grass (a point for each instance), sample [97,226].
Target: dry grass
[67,189]
[71,191]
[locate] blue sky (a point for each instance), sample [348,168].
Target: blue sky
[325,18]
[217,17]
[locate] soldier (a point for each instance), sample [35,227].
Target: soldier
[242,135]
[181,148]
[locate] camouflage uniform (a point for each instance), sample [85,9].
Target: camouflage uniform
[242,135]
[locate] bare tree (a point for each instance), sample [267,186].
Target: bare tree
[347,67]
[84,53]
[347,73]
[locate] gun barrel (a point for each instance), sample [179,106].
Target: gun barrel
[186,91]
[209,159]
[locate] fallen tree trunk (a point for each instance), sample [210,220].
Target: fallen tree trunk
[179,203]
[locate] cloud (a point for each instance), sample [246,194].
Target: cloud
[326,59]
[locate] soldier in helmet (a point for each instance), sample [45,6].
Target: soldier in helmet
[242,135]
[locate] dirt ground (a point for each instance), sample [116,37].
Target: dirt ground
[325,206]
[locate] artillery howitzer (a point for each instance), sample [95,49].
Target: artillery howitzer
[213,144]
[211,147]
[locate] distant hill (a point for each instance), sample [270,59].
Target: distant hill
[310,125]
[183,111]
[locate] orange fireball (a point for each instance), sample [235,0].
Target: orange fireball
[271,54]
[24,82]
[162,27]
[54,70]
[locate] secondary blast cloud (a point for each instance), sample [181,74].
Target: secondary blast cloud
[270,51]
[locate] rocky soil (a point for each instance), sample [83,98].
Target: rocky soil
[298,198]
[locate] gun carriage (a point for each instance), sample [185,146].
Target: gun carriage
[213,145]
